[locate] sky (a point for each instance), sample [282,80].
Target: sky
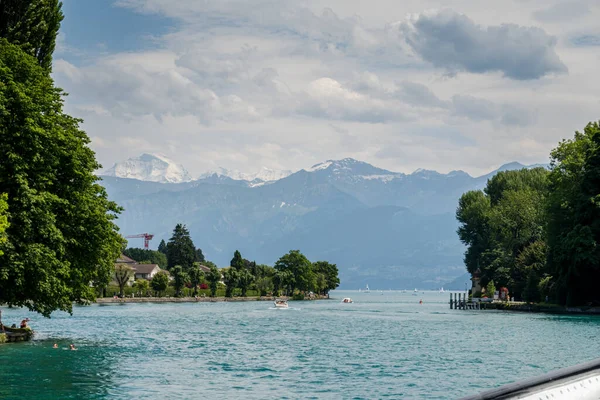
[443,85]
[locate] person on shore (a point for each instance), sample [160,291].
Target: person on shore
[72,347]
[24,323]
[55,346]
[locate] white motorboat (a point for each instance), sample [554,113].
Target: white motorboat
[347,300]
[281,303]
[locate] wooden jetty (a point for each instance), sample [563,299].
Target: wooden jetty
[461,302]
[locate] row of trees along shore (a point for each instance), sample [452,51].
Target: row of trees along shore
[292,274]
[537,231]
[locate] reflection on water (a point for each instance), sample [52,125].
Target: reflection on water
[383,344]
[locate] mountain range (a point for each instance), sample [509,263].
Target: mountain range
[382,228]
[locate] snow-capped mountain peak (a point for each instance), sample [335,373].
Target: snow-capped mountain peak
[150,167]
[263,175]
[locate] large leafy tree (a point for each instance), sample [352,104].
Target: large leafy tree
[32,25]
[300,270]
[503,227]
[200,256]
[151,256]
[180,248]
[574,217]
[327,276]
[61,236]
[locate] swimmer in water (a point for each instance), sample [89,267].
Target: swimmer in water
[72,347]
[420,301]
[55,346]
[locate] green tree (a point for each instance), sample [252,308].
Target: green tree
[230,278]
[264,285]
[162,247]
[490,289]
[300,269]
[237,262]
[160,281]
[196,276]
[32,25]
[502,222]
[213,277]
[574,217]
[142,286]
[145,256]
[61,236]
[3,220]
[181,249]
[199,256]
[327,276]
[180,278]
[245,279]
[122,274]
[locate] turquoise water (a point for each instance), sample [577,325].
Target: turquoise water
[382,346]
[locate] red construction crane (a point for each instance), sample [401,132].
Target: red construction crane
[147,238]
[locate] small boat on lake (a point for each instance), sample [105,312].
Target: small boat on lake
[16,334]
[367,289]
[281,303]
[347,300]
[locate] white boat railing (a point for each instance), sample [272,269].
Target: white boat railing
[578,382]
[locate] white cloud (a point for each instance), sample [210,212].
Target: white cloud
[286,85]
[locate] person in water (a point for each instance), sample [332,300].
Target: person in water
[55,346]
[24,323]
[420,301]
[72,347]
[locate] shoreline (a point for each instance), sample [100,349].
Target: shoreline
[542,308]
[110,300]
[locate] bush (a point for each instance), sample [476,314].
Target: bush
[298,296]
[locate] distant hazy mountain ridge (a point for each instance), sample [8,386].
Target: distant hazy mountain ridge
[387,229]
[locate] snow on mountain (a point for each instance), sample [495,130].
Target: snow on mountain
[263,175]
[150,167]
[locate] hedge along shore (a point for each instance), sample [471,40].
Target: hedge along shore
[110,300]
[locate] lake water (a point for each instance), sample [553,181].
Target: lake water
[385,345]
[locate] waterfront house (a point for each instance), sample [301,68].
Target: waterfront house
[145,271]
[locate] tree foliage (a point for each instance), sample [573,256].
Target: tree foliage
[299,268]
[230,278]
[160,281]
[574,217]
[503,227]
[237,262]
[142,286]
[213,277]
[180,248]
[3,220]
[145,255]
[162,247]
[61,236]
[196,276]
[180,278]
[245,279]
[327,277]
[32,25]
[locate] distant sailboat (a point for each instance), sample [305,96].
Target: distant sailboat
[442,290]
[367,289]
[415,292]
